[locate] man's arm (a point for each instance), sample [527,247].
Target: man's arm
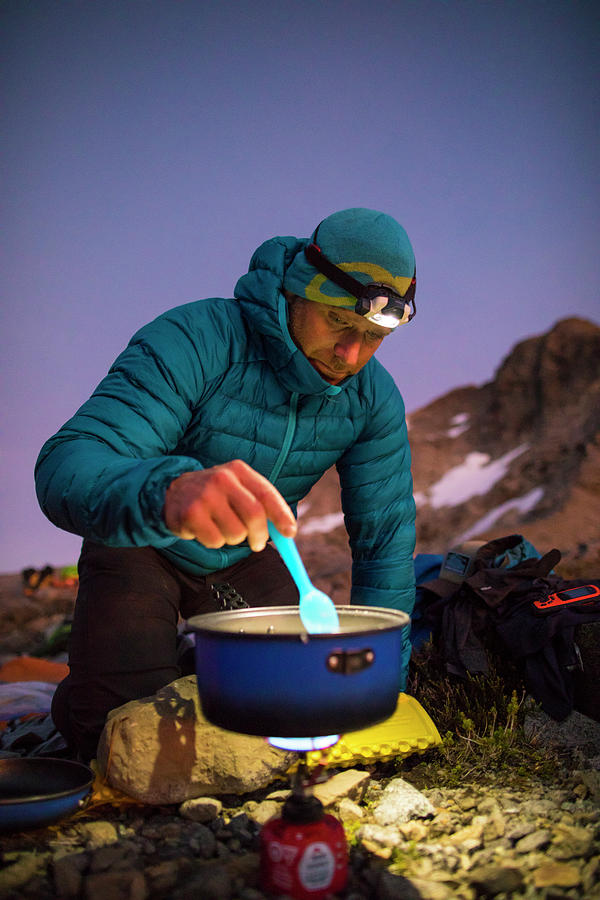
[110,473]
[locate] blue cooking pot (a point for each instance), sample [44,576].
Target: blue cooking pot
[259,672]
[35,791]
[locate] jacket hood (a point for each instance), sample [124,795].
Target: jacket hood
[264,306]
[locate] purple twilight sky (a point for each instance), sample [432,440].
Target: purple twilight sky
[151,145]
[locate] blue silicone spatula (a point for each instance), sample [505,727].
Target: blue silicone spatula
[318,614]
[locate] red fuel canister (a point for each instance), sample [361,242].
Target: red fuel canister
[303,854]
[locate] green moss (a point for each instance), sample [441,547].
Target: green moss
[403,859]
[350,830]
[481,722]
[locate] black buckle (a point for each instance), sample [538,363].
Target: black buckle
[226,597]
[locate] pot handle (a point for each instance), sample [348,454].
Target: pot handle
[347,662]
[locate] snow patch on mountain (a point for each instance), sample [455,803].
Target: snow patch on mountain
[460,424]
[522,504]
[473,477]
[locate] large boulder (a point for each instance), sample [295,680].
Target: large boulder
[161,749]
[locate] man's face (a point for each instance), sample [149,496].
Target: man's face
[337,342]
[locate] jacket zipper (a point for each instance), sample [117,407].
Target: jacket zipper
[287,439]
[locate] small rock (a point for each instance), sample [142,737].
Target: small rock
[245,867]
[266,810]
[466,801]
[126,885]
[570,842]
[113,856]
[67,870]
[492,880]
[400,801]
[413,831]
[488,806]
[222,852]
[590,873]
[349,811]
[495,826]
[556,874]
[351,783]
[201,809]
[443,823]
[534,841]
[520,830]
[169,830]
[163,876]
[539,808]
[203,842]
[423,869]
[380,835]
[468,838]
[434,795]
[376,849]
[212,882]
[281,795]
[240,825]
[98,834]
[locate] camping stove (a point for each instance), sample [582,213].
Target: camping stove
[342,682]
[303,853]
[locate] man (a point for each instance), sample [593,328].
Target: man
[218,416]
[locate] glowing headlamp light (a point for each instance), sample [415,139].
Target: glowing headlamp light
[378,302]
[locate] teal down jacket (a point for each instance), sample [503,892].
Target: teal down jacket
[220,379]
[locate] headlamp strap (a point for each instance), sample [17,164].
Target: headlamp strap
[349,284]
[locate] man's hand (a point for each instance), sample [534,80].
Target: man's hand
[224,505]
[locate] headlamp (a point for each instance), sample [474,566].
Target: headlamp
[376,301]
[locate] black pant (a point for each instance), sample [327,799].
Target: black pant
[124,635]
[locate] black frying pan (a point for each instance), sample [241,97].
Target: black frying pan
[35,791]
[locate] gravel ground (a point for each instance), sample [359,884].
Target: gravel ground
[509,835]
[514,837]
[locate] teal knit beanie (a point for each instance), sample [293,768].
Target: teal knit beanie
[369,245]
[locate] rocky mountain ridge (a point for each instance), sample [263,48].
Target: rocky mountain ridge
[520,453]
